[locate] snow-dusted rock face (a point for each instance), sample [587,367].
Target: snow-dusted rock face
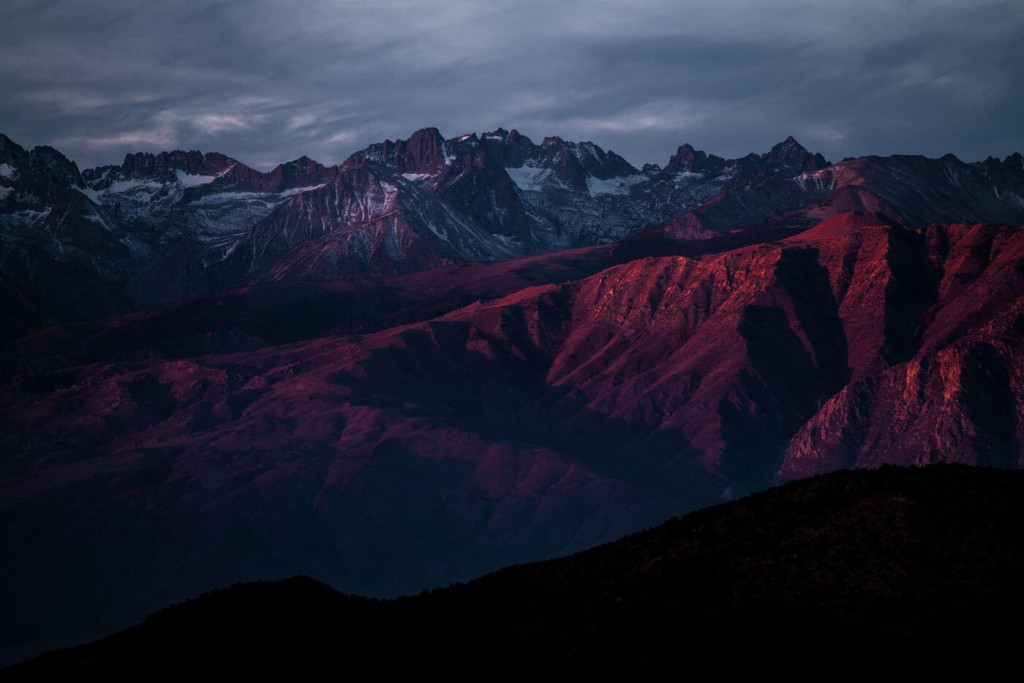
[560,194]
[77,246]
[59,251]
[578,194]
[475,197]
[208,196]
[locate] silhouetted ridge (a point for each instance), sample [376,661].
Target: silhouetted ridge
[913,567]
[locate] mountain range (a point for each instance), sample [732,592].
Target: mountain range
[445,356]
[77,245]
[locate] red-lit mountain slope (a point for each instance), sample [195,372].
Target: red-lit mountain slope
[545,421]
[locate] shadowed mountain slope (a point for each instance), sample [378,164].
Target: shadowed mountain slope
[906,567]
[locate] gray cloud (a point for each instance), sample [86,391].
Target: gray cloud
[267,81]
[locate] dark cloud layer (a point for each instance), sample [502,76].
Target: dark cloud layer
[267,81]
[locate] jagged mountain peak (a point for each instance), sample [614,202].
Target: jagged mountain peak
[49,163]
[427,153]
[42,163]
[1014,160]
[164,165]
[789,143]
[173,156]
[10,149]
[13,157]
[509,137]
[790,154]
[787,148]
[303,162]
[498,133]
[301,171]
[13,154]
[422,152]
[427,139]
[687,158]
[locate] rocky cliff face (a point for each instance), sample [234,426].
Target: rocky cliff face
[953,390]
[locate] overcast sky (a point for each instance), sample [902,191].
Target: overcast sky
[267,81]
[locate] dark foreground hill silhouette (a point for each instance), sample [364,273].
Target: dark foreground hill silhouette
[917,566]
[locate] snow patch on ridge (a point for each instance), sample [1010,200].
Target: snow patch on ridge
[299,190]
[30,215]
[186,180]
[448,159]
[97,217]
[687,177]
[136,187]
[613,185]
[528,178]
[815,181]
[8,171]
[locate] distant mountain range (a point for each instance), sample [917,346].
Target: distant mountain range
[110,240]
[395,373]
[899,567]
